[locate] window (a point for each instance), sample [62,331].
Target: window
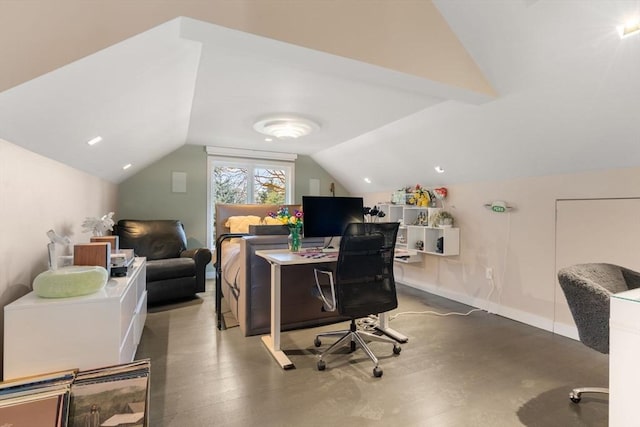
[235,179]
[242,182]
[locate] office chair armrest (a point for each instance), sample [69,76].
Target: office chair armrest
[326,304]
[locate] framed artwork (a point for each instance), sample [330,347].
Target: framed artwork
[111,396]
[36,409]
[41,400]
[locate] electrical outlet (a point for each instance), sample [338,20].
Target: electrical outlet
[488,273]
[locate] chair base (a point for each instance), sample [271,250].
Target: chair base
[355,338]
[576,393]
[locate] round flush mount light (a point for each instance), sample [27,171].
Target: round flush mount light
[286,126]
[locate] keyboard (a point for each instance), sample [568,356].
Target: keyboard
[318,253]
[330,250]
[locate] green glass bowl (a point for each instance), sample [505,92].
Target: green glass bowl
[70,281]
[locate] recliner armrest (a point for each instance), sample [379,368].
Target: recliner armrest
[202,256]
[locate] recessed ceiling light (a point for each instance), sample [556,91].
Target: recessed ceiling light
[286,126]
[268,139]
[439,169]
[127,166]
[95,140]
[629,28]
[367,180]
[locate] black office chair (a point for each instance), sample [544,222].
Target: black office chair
[362,284]
[588,289]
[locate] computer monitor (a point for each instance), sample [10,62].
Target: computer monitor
[329,216]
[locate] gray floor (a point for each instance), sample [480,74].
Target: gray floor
[478,370]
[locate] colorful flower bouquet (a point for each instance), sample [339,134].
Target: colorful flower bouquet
[294,222]
[421,196]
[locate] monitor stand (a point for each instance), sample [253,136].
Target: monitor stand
[331,244]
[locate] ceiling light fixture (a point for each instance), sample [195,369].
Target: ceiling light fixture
[439,169]
[629,28]
[127,166]
[367,180]
[286,126]
[95,140]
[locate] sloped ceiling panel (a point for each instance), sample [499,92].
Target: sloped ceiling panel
[568,102]
[136,95]
[411,37]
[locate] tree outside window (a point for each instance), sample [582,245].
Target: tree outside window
[231,185]
[249,181]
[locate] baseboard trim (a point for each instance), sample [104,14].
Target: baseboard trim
[569,331]
[495,308]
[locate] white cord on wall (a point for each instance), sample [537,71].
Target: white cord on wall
[372,321]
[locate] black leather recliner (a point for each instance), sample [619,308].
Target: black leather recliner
[173,271]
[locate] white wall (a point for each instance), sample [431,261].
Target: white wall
[38,194]
[520,246]
[595,230]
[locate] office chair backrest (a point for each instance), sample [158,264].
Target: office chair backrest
[588,289]
[364,273]
[388,229]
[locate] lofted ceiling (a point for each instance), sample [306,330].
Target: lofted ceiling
[517,88]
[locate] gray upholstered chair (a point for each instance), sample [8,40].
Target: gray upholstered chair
[588,289]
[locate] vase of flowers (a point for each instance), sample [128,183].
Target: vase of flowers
[420,196]
[293,222]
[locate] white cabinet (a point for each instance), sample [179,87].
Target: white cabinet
[50,334]
[435,240]
[624,348]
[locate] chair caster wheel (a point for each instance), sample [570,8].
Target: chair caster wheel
[575,397]
[397,349]
[377,372]
[317,342]
[321,365]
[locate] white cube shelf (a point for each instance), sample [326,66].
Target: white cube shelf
[429,237]
[407,216]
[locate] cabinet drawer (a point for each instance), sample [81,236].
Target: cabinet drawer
[128,348]
[140,318]
[128,305]
[141,283]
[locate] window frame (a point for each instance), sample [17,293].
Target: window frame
[251,164]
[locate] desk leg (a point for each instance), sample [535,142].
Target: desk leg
[383,319]
[272,341]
